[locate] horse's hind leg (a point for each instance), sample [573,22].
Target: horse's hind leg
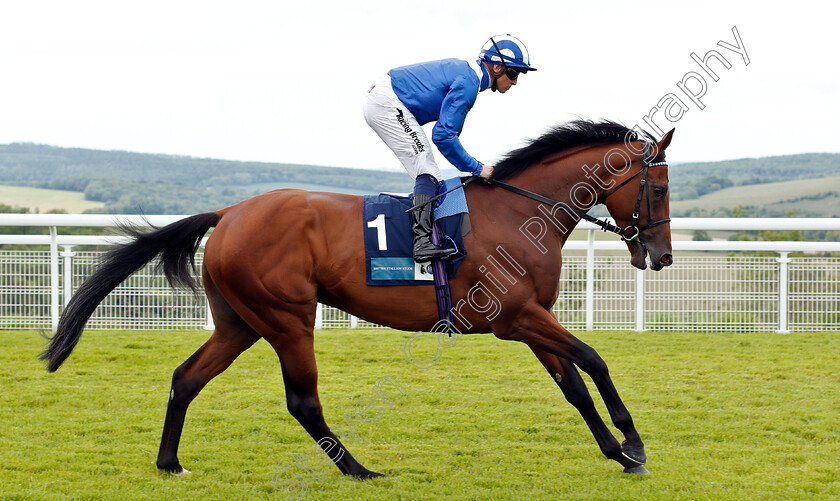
[300,375]
[576,393]
[230,338]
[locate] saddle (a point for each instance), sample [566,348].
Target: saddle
[389,241]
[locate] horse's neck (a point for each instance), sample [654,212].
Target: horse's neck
[571,178]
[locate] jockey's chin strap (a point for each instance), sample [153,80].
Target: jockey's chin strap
[633,230]
[494,78]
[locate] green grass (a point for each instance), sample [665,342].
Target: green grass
[45,200]
[770,195]
[747,416]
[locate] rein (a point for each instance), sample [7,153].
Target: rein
[603,224]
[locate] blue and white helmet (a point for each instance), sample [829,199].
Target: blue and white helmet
[507,50]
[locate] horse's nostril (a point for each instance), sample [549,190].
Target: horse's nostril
[666,259]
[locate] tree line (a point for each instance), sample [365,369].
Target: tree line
[132,183]
[693,180]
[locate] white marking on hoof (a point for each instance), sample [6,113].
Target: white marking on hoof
[183,472]
[631,459]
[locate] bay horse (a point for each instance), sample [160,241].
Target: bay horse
[272,258]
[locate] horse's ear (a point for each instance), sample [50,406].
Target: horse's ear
[665,141]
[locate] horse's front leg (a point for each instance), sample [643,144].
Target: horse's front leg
[574,389]
[558,349]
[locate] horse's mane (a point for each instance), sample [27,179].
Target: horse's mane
[564,137]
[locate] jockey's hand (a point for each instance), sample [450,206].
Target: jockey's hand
[486,171]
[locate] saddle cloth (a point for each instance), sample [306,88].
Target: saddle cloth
[389,242]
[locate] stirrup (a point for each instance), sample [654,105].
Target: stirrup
[435,254]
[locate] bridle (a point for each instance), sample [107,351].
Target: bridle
[603,224]
[643,187]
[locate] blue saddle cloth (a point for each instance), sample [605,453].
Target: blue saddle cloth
[389,242]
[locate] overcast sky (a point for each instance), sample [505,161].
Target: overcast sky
[283,81]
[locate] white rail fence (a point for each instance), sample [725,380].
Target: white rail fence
[710,288]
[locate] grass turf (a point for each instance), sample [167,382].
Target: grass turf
[746,416]
[45,200]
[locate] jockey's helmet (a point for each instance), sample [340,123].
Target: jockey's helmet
[508,51]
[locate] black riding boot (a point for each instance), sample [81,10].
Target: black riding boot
[424,249]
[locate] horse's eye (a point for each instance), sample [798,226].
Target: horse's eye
[660,191]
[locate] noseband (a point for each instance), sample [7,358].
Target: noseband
[643,186]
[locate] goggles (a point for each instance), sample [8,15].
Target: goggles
[513,73]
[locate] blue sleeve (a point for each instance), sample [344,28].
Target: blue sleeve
[453,112]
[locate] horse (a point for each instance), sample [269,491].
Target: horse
[272,258]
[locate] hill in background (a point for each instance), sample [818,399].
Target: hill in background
[803,197]
[128,183]
[767,186]
[43,201]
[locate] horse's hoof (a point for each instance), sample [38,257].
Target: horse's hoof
[172,467]
[637,470]
[368,474]
[178,471]
[634,453]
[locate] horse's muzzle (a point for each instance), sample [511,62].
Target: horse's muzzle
[664,260]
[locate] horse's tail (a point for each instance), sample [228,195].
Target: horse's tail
[177,243]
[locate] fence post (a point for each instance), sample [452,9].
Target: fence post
[640,300]
[209,324]
[354,321]
[783,260]
[590,281]
[54,279]
[319,316]
[68,272]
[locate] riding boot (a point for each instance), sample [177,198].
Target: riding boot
[424,249]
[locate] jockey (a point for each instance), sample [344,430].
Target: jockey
[443,92]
